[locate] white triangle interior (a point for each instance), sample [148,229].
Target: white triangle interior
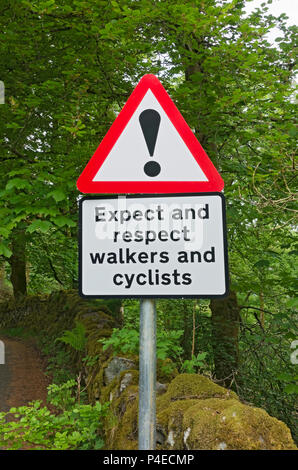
[128,156]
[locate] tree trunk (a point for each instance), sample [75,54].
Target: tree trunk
[186,340]
[262,314]
[193,346]
[4,290]
[17,263]
[225,334]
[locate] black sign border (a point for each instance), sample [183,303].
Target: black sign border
[134,196]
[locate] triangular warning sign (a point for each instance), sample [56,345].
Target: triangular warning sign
[149,149]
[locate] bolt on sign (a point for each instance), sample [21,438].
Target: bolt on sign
[169,242]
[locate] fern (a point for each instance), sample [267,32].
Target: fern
[76,338]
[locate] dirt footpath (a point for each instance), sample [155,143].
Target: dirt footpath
[22,377]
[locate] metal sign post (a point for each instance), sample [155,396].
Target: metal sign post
[147,368]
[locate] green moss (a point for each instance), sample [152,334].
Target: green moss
[165,370]
[194,413]
[95,384]
[260,430]
[127,405]
[228,424]
[203,424]
[192,386]
[122,421]
[170,423]
[112,391]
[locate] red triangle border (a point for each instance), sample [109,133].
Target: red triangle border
[85,182]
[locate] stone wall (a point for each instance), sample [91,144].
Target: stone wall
[192,413]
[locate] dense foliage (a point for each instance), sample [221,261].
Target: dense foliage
[37,427]
[68,67]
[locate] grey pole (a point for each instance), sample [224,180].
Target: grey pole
[147,383]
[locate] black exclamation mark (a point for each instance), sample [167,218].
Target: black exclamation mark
[150,120]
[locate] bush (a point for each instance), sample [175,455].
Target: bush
[38,428]
[126,341]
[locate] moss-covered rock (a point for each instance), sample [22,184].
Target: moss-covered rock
[125,435]
[194,413]
[193,387]
[170,423]
[228,424]
[116,366]
[121,422]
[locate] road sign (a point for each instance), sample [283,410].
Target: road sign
[149,149]
[153,246]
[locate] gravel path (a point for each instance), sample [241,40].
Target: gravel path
[22,377]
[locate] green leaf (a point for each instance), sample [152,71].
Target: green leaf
[57,194]
[13,125]
[291,389]
[201,356]
[61,221]
[21,171]
[284,377]
[4,250]
[262,263]
[4,232]
[18,183]
[293,303]
[42,225]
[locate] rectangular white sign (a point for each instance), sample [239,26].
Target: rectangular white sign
[171,245]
